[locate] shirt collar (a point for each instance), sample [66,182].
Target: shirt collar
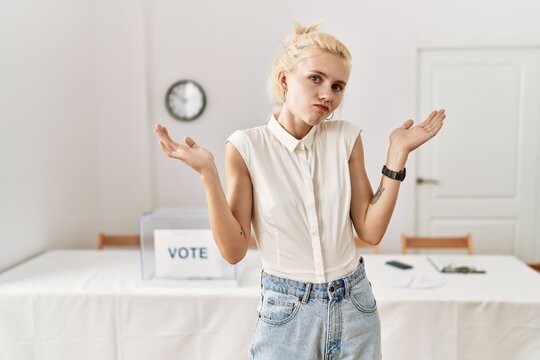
[289,141]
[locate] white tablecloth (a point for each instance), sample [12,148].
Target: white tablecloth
[93,305]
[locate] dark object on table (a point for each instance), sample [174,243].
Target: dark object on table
[399,265]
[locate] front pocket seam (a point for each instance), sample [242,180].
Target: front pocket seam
[363,309]
[284,321]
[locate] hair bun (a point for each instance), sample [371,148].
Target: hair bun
[301,30]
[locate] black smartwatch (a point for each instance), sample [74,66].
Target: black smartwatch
[394,175]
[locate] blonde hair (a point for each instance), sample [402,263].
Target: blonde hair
[303,43]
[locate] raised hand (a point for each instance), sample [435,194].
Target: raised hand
[408,137]
[197,157]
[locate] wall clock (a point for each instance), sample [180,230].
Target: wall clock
[185,100]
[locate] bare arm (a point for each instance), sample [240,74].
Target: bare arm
[371,212]
[230,219]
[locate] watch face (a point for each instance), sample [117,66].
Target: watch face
[185,100]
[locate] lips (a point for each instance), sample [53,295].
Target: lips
[321,107]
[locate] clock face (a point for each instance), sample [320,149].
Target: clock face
[185,100]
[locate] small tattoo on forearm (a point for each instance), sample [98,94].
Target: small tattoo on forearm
[242,232]
[377,195]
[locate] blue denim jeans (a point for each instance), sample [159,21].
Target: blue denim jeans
[334,320]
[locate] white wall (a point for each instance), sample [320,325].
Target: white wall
[228,48]
[82,83]
[49,189]
[122,114]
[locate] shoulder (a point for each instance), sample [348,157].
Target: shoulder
[250,133]
[340,128]
[342,132]
[255,132]
[248,141]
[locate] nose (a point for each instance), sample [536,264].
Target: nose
[326,95]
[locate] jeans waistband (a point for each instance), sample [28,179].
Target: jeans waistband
[307,290]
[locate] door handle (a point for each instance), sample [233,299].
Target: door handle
[422,181]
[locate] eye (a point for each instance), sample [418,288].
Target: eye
[315,78]
[337,87]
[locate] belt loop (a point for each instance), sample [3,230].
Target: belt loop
[306,294]
[347,287]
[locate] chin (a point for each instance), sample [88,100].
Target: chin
[320,120]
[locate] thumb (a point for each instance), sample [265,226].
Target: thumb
[407,124]
[190,142]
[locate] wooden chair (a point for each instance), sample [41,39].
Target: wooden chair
[362,244]
[535,266]
[437,242]
[104,240]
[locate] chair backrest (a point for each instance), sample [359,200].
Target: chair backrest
[535,266]
[362,244]
[104,240]
[437,242]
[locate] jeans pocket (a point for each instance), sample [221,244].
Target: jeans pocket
[362,297]
[277,308]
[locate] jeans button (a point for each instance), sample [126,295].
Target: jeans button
[332,289]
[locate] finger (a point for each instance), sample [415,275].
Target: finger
[163,135]
[435,122]
[407,124]
[429,118]
[440,114]
[432,117]
[435,129]
[168,147]
[177,152]
[190,142]
[162,130]
[159,128]
[166,133]
[164,147]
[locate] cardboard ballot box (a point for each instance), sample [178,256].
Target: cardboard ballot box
[177,248]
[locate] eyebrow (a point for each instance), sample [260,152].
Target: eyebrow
[323,74]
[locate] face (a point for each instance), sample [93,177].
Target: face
[315,89]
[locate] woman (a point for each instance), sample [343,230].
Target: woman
[301,182]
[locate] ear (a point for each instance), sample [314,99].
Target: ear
[282,79]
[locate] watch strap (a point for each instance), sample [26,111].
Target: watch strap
[394,175]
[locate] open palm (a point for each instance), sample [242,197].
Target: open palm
[197,157]
[408,137]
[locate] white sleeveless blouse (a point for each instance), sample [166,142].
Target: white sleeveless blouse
[301,199]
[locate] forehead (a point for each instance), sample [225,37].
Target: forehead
[333,66]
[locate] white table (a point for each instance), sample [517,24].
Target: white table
[472,316]
[81,305]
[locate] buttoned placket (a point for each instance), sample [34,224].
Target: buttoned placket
[311,210]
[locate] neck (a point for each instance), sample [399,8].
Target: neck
[292,124]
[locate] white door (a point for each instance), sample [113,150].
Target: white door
[479,174]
